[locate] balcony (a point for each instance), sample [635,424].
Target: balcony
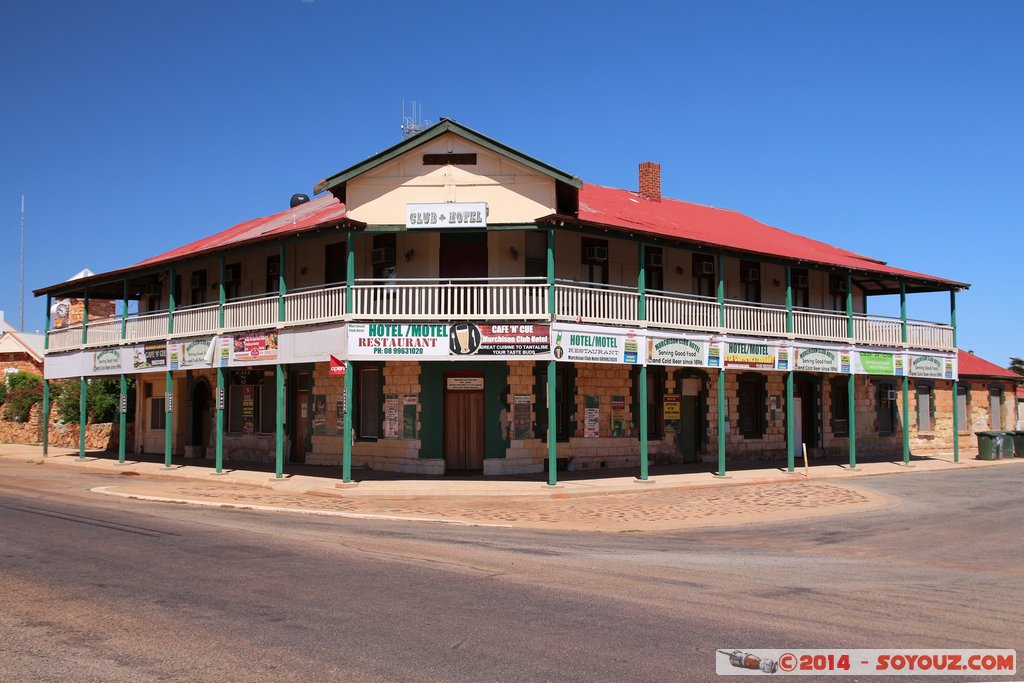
[502,299]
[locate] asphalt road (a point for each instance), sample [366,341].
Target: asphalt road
[94,588]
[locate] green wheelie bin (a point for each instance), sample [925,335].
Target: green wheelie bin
[989,445]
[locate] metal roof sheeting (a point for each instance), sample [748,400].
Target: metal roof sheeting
[970,365]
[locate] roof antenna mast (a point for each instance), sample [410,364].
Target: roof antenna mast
[411,125]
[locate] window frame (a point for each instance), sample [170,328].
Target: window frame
[756,383]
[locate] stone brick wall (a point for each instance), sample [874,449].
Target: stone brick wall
[522,455]
[21,362]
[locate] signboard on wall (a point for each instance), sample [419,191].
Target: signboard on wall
[521,416]
[678,351]
[618,416]
[255,346]
[391,422]
[419,341]
[672,412]
[147,356]
[107,360]
[397,340]
[591,416]
[751,355]
[817,359]
[599,345]
[936,367]
[499,339]
[876,363]
[446,215]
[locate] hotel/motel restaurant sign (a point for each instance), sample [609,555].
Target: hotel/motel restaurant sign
[446,215]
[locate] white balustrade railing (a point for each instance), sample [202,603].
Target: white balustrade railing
[251,313]
[596,303]
[103,332]
[682,312]
[815,324]
[922,335]
[755,318]
[503,299]
[456,299]
[872,329]
[65,338]
[204,319]
[147,326]
[314,305]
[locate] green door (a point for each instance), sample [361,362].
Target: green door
[688,430]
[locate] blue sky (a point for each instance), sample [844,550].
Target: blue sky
[892,129]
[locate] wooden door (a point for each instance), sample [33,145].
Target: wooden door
[464,430]
[300,425]
[463,256]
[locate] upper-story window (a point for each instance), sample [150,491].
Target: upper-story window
[197,283]
[801,287]
[536,254]
[750,279]
[383,257]
[654,268]
[273,273]
[178,301]
[232,280]
[335,263]
[704,282]
[837,292]
[594,260]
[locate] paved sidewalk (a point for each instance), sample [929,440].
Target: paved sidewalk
[614,503]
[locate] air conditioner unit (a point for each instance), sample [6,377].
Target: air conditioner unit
[653,259]
[752,275]
[198,280]
[595,253]
[705,268]
[802,280]
[382,255]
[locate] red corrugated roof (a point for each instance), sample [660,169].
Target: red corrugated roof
[313,214]
[720,228]
[974,366]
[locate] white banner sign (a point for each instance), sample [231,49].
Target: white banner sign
[446,215]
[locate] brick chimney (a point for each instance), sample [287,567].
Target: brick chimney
[650,181]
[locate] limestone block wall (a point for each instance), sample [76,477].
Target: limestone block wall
[772,444]
[604,451]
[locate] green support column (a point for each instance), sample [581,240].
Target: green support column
[551,272]
[789,299]
[346,446]
[279,433]
[790,436]
[281,290]
[350,270]
[906,418]
[46,382]
[221,293]
[46,417]
[723,420]
[124,311]
[85,316]
[956,384]
[219,440]
[721,290]
[552,426]
[642,399]
[903,311]
[84,387]
[851,385]
[641,285]
[171,303]
[122,410]
[168,417]
[851,399]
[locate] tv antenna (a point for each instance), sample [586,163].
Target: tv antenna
[411,125]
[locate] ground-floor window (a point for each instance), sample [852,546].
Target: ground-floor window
[369,385]
[840,405]
[753,405]
[252,402]
[995,404]
[157,412]
[886,416]
[963,401]
[925,408]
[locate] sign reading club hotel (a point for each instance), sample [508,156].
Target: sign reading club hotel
[447,215]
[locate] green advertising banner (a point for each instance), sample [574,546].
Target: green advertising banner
[877,363]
